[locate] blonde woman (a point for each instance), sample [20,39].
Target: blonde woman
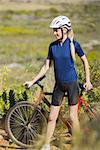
[62,53]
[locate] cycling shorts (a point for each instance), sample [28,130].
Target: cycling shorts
[72,90]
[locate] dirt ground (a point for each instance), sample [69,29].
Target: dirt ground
[6,144]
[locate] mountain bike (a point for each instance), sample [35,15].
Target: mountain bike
[26,122]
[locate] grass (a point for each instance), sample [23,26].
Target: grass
[22,6]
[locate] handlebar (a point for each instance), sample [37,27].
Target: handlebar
[40,79]
[81,86]
[37,82]
[48,93]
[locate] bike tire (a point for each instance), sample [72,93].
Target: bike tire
[24,124]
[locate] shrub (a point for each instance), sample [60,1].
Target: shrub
[95,72]
[94,95]
[10,98]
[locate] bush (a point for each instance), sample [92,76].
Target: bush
[10,98]
[94,95]
[95,72]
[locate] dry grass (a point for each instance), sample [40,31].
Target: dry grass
[23,6]
[36,5]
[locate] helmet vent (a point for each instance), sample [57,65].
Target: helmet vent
[57,22]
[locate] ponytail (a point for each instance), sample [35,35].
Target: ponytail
[72,48]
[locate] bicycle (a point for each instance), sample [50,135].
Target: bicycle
[25,122]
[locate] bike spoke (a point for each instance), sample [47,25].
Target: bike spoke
[21,114]
[17,115]
[35,132]
[18,133]
[25,139]
[35,117]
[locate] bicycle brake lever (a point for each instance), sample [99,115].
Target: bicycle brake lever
[26,87]
[82,87]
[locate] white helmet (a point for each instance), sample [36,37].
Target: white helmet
[61,21]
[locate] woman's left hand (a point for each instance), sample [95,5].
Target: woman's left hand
[88,86]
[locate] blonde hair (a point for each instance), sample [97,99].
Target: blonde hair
[72,48]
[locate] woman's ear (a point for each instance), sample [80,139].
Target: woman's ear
[65,30]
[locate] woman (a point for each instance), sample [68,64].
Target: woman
[62,53]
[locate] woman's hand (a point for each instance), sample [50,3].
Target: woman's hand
[88,86]
[28,84]
[71,35]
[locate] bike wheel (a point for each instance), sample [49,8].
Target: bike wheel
[24,124]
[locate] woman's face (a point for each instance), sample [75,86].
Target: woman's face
[60,33]
[57,33]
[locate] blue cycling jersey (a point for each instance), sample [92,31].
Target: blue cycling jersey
[63,63]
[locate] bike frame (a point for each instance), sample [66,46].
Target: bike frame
[81,101]
[87,108]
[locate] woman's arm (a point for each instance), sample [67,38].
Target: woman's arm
[87,84]
[42,72]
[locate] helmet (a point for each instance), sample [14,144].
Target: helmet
[61,21]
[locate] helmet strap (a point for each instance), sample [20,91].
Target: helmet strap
[62,34]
